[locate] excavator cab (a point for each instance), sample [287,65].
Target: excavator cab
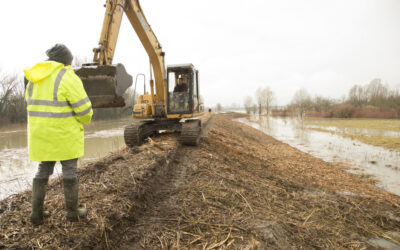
[183,89]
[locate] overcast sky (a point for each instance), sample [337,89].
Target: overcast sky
[237,45]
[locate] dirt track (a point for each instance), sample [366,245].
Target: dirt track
[239,189]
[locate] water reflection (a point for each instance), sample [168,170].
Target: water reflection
[16,139]
[383,164]
[16,171]
[359,131]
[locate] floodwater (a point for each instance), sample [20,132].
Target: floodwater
[17,171]
[358,131]
[382,164]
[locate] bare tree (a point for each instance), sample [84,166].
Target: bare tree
[248,103]
[377,93]
[254,109]
[265,97]
[269,98]
[6,90]
[358,96]
[302,102]
[12,103]
[260,100]
[322,104]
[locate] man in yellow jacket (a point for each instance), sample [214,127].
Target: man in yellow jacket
[58,106]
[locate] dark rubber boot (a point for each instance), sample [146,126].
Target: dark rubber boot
[71,200]
[38,194]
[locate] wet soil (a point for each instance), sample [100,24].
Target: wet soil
[239,189]
[361,158]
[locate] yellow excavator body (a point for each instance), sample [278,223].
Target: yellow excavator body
[174,102]
[142,110]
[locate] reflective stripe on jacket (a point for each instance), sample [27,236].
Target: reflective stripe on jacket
[58,106]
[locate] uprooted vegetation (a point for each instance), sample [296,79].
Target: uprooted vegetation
[238,189]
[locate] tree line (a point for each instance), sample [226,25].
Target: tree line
[372,100]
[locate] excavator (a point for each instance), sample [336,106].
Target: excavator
[174,102]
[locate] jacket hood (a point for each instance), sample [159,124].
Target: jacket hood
[42,70]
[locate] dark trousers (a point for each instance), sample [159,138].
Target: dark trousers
[46,169]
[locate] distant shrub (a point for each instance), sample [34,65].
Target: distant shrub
[280,112]
[344,110]
[374,112]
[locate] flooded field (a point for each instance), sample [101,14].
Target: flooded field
[16,171]
[383,164]
[377,132]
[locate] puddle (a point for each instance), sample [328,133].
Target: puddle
[385,244]
[16,171]
[382,164]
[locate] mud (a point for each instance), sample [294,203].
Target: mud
[239,189]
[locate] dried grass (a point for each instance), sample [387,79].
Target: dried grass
[239,189]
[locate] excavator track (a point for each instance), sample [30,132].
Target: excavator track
[135,133]
[191,132]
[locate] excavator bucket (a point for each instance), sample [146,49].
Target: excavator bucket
[105,84]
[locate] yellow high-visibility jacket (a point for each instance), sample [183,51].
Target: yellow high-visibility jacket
[58,106]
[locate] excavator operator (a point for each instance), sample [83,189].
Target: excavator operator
[181,95]
[181,86]
[57,106]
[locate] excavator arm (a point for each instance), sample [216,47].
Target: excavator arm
[152,46]
[103,55]
[114,78]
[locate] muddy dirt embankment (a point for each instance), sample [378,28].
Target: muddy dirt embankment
[239,189]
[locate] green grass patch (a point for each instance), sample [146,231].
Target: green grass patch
[376,124]
[391,143]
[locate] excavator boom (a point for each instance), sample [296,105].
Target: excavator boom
[151,45]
